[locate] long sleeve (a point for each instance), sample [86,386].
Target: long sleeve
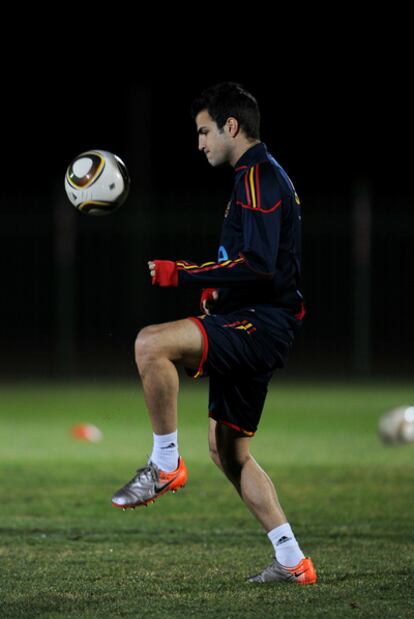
[258,217]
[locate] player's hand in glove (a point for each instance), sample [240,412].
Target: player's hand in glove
[163,272]
[208,297]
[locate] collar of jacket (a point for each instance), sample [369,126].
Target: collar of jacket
[253,155]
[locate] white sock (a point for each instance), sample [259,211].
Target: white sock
[165,451]
[287,549]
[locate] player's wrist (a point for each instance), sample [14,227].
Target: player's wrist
[166,273]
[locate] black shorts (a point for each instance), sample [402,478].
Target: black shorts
[241,351]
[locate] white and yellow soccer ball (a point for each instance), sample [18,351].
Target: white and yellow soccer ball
[97,182]
[397,425]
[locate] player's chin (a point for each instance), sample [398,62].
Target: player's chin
[215,163]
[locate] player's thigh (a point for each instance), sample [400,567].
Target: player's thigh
[180,340]
[231,446]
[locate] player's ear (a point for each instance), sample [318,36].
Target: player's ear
[233,127]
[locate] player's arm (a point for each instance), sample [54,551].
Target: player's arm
[258,196]
[166,275]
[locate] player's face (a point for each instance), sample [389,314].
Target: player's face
[213,142]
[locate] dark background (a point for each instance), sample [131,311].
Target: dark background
[76,290]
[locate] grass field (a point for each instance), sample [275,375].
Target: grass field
[65,552]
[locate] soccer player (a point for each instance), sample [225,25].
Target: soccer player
[252,309]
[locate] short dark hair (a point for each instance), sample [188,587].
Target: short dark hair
[230,99]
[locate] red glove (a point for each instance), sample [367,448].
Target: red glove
[165,273]
[208,296]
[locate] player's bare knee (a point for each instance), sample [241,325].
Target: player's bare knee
[233,463]
[232,447]
[231,467]
[146,344]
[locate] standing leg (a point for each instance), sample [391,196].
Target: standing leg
[230,451]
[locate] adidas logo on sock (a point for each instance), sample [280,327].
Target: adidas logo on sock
[168,446]
[282,540]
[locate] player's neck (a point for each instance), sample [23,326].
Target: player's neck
[240,149]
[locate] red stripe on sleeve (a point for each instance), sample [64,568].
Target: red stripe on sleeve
[260,210]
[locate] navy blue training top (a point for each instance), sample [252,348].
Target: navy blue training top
[260,245]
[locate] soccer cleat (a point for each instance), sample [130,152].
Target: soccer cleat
[148,484]
[303,573]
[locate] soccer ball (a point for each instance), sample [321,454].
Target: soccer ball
[397,426]
[97,182]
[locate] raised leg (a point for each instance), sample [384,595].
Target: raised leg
[157,349]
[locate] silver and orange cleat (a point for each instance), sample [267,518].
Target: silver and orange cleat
[148,484]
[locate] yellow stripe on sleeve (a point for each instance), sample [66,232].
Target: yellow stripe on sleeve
[252,187]
[193,267]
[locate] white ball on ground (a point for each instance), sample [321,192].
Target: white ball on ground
[396,427]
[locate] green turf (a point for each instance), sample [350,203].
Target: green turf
[65,552]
